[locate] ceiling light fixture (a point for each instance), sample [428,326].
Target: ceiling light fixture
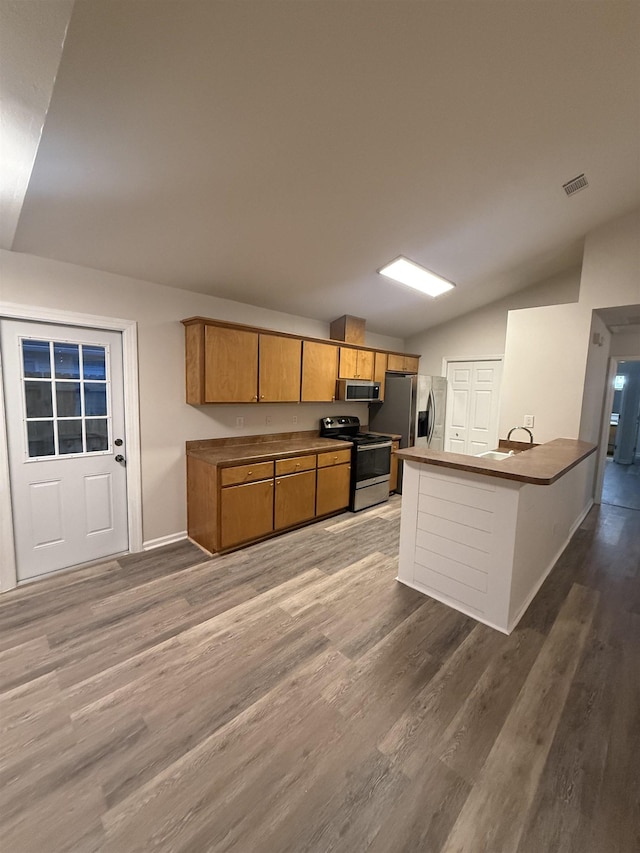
[413,275]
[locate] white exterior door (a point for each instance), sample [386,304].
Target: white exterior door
[64,401]
[473,406]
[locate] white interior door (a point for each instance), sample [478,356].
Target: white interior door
[64,401]
[473,406]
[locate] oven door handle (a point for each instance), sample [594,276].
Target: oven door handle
[373,446]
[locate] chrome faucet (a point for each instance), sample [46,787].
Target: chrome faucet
[526,429]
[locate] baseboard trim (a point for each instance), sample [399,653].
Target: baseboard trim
[150,544]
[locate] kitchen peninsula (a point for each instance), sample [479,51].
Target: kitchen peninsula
[481,534]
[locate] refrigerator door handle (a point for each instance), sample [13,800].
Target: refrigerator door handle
[432,419]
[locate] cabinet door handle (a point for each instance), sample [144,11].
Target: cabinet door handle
[262,396]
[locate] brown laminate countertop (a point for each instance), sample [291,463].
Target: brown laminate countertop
[542,465]
[261,448]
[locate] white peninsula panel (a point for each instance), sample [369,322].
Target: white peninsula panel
[484,545]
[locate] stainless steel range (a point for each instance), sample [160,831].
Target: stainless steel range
[370,460]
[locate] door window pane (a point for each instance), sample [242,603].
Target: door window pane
[93,362]
[68,400]
[40,438]
[38,399]
[70,436]
[95,399]
[67,361]
[97,434]
[36,359]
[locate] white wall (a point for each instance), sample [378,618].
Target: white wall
[483,332]
[166,420]
[547,348]
[625,343]
[544,368]
[595,381]
[611,264]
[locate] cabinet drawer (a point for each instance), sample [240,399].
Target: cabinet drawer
[334,457]
[246,473]
[295,464]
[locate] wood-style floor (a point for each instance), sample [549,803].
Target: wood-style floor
[621,486]
[294,697]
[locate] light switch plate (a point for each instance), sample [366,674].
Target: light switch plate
[528,421]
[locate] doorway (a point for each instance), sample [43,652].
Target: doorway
[473,405]
[69,446]
[621,475]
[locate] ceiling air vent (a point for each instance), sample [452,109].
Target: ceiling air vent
[575,185]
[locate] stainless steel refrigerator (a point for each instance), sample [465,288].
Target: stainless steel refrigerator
[414,408]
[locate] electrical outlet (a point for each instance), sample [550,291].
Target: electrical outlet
[268,420]
[294,419]
[239,422]
[528,421]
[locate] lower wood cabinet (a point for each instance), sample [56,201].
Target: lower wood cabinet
[231,506]
[332,491]
[393,475]
[295,499]
[246,512]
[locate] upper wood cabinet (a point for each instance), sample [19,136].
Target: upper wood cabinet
[319,371]
[379,370]
[402,363]
[225,364]
[280,369]
[355,363]
[230,365]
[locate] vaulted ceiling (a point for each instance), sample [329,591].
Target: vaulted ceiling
[279,153]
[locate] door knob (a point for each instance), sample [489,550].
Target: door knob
[120,458]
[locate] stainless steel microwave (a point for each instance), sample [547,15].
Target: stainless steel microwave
[358,390]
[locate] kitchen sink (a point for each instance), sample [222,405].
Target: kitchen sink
[495,454]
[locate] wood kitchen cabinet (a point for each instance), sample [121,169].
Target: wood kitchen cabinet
[295,499]
[355,363]
[393,474]
[246,503]
[334,478]
[280,369]
[402,363]
[230,365]
[319,371]
[379,370]
[246,512]
[231,505]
